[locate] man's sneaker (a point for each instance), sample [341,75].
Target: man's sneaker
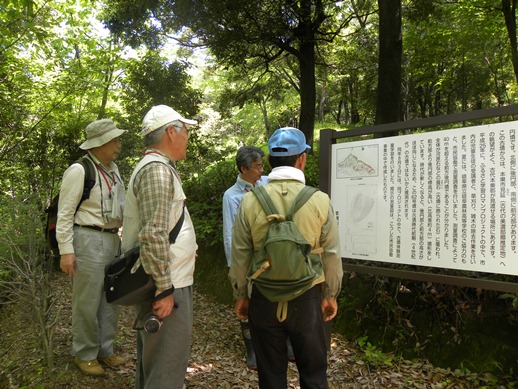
[89,367]
[113,361]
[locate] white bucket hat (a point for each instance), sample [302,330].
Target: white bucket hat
[161,115]
[99,133]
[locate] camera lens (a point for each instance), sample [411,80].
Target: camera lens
[152,324]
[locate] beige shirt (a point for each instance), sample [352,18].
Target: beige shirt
[91,211]
[315,220]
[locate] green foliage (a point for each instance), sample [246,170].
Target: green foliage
[58,72]
[456,56]
[372,355]
[55,73]
[446,69]
[204,195]
[510,296]
[149,81]
[154,80]
[211,275]
[130,20]
[311,171]
[249,36]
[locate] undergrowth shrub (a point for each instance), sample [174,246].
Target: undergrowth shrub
[25,270]
[451,326]
[204,193]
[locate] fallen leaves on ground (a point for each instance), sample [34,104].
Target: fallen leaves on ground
[217,358]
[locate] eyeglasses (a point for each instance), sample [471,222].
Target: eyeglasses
[258,167]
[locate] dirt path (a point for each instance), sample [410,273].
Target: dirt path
[216,360]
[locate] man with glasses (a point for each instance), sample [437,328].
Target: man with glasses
[155,204]
[87,233]
[249,161]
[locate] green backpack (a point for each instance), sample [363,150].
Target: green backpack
[285,266]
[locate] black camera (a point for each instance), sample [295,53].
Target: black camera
[151,323]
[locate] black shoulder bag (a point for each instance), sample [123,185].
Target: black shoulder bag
[123,287]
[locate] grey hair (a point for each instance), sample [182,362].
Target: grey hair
[156,136]
[247,155]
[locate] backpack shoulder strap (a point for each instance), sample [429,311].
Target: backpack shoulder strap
[265,200]
[300,200]
[89,182]
[89,167]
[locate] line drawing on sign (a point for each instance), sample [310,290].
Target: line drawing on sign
[361,219]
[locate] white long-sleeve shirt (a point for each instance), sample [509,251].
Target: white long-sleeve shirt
[90,213]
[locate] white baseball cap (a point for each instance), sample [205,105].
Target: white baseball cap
[160,115]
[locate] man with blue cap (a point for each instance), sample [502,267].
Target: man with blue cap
[307,313]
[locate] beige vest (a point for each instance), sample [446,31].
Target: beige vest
[182,253]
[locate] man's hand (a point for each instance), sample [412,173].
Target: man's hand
[163,307]
[67,263]
[241,308]
[329,309]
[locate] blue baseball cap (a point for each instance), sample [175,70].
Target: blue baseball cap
[287,141]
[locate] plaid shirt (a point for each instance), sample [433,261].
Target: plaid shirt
[154,188]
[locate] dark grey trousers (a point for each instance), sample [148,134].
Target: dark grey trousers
[162,357]
[304,326]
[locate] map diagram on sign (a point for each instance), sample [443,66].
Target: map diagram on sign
[361,161]
[361,219]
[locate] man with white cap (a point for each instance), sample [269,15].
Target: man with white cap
[306,314]
[154,208]
[87,234]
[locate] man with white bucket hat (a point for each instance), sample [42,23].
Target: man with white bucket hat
[87,234]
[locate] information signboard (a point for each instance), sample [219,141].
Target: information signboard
[443,199]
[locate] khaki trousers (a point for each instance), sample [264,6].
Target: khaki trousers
[94,321]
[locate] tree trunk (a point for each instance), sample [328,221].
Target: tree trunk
[311,16]
[388,101]
[308,93]
[108,76]
[353,93]
[264,110]
[339,113]
[322,103]
[509,10]
[106,90]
